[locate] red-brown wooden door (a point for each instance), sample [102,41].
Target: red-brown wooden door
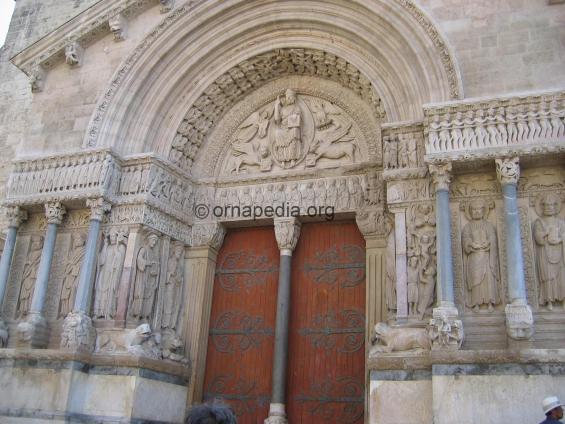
[242,324]
[326,369]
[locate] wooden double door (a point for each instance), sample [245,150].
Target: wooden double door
[326,362]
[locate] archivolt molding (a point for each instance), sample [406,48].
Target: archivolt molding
[401,86]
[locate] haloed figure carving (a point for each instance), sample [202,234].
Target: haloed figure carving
[288,139]
[480,249]
[146,279]
[549,235]
[72,269]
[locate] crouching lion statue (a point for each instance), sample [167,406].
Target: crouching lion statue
[388,339]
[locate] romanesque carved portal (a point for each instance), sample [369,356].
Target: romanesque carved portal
[325,375]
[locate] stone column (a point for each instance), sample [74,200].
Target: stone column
[519,319]
[34,332]
[15,217]
[199,276]
[78,332]
[287,231]
[446,329]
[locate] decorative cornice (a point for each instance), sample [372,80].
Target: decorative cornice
[84,28]
[508,170]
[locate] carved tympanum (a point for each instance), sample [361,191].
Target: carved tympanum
[549,236]
[480,254]
[295,131]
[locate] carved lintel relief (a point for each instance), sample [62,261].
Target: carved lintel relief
[403,151]
[406,191]
[287,232]
[293,132]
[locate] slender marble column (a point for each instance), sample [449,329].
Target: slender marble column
[287,232]
[446,329]
[15,217]
[519,318]
[34,332]
[78,332]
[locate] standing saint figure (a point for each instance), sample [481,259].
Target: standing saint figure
[413,278]
[29,275]
[427,272]
[480,257]
[110,267]
[173,288]
[287,146]
[72,270]
[146,279]
[549,235]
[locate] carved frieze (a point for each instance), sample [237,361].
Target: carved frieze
[517,125]
[405,191]
[403,150]
[65,177]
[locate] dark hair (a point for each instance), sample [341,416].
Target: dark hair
[211,413]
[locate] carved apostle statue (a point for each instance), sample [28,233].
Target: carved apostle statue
[29,275]
[147,269]
[480,250]
[287,145]
[173,287]
[549,236]
[110,267]
[72,269]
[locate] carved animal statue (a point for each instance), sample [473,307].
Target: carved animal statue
[336,146]
[388,339]
[242,154]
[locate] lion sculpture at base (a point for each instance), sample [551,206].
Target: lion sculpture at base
[388,339]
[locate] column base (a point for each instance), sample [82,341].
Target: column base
[4,334]
[519,320]
[33,333]
[446,330]
[78,335]
[277,414]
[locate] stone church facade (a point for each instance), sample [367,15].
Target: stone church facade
[318,211]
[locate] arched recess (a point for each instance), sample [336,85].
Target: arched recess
[390,43]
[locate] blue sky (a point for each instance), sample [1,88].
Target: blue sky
[6,9]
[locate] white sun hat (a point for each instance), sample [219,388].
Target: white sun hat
[550,403]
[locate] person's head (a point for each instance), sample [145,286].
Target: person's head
[211,413]
[290,96]
[551,204]
[553,407]
[477,209]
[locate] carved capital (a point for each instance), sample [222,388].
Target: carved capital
[210,234]
[287,231]
[118,26]
[54,212]
[508,170]
[167,5]
[445,329]
[373,222]
[73,54]
[441,175]
[15,216]
[98,207]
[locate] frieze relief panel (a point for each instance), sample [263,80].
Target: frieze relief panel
[487,128]
[403,192]
[403,151]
